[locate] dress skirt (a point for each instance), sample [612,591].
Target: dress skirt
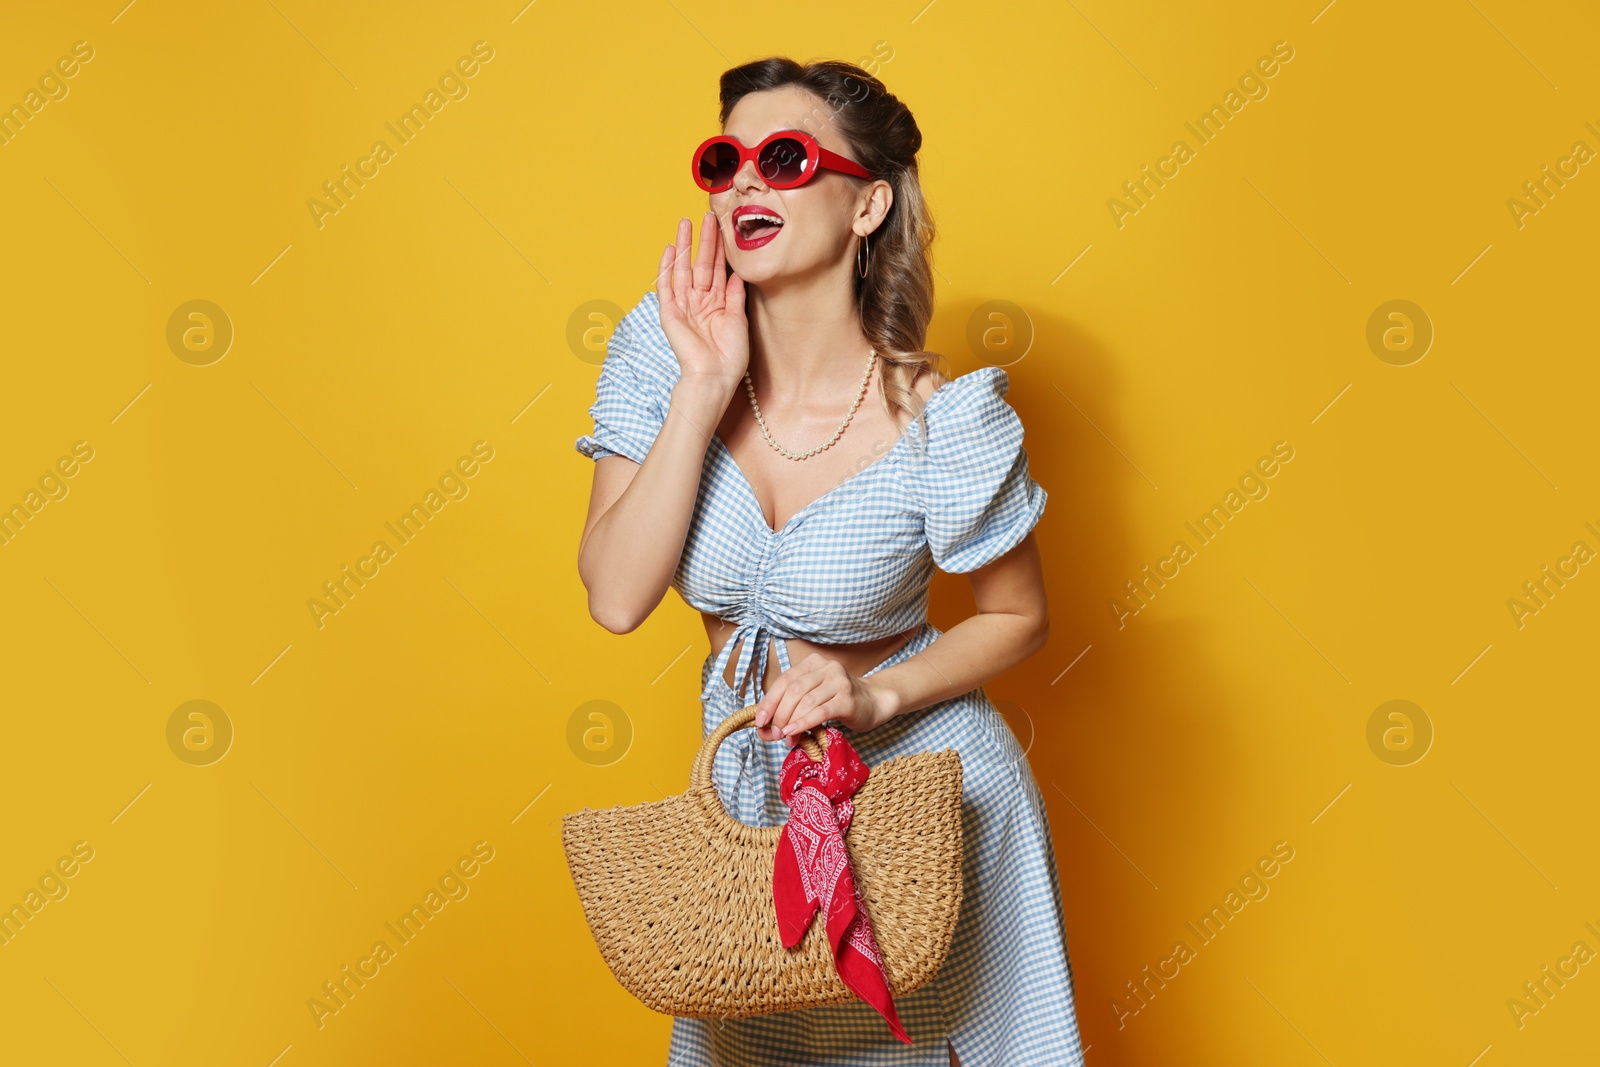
[1004,995]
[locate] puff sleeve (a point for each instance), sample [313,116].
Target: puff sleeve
[634,387]
[971,478]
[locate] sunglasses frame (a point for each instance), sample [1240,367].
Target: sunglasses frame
[817,159]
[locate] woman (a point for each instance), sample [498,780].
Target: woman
[802,518]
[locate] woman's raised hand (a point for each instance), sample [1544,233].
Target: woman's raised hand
[702,307]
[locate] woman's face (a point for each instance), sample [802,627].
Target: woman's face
[821,219]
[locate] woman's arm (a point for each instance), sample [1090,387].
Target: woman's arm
[1011,624]
[639,514]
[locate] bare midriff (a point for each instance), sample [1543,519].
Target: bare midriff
[857,659]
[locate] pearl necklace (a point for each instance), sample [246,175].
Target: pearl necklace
[750,389]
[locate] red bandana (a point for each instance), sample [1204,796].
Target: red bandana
[812,870]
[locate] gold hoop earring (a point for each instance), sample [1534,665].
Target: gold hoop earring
[863,257]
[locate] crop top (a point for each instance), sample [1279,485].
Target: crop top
[854,564]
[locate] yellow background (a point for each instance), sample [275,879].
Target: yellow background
[432,310]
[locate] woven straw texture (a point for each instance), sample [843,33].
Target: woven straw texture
[678,894]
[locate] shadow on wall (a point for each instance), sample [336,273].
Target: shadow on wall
[1127,745]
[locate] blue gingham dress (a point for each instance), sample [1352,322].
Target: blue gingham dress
[854,565]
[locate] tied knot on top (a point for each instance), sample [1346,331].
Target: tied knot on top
[812,869]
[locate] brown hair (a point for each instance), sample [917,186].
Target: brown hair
[896,296]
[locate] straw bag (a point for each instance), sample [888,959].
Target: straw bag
[679,895]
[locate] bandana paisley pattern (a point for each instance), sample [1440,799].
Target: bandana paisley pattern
[812,872]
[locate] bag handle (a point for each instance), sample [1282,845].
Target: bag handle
[700,773]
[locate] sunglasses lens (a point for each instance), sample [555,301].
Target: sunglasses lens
[784,162]
[718,165]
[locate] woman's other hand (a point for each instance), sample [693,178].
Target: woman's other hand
[818,690]
[702,307]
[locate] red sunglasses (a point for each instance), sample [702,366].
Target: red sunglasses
[785,159]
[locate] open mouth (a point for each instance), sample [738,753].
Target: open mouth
[754,227]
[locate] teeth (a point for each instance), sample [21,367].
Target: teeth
[758,217]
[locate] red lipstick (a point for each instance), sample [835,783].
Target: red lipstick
[759,230]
